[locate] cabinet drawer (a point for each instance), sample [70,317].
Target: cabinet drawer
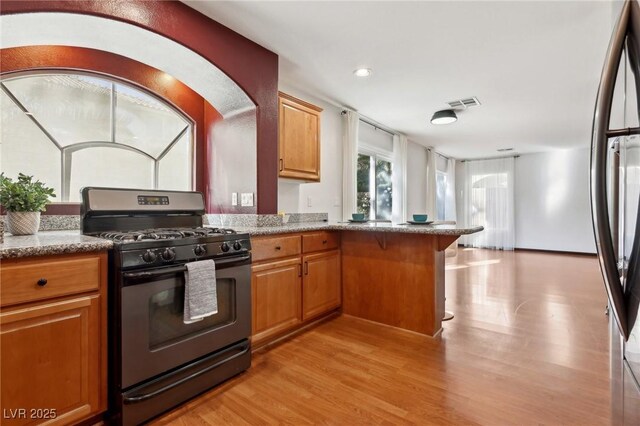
[42,278]
[320,241]
[264,248]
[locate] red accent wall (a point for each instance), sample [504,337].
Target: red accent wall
[251,66]
[211,117]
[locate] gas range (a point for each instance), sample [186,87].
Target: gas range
[156,359]
[167,246]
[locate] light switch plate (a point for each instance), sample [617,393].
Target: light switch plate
[234,198]
[247,199]
[309,201]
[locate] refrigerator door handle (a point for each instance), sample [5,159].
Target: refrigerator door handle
[598,181]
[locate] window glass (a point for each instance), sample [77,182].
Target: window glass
[383,190]
[172,166]
[364,185]
[74,130]
[72,108]
[105,166]
[160,122]
[374,188]
[24,148]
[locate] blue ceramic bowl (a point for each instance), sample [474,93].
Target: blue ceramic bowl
[420,217]
[357,216]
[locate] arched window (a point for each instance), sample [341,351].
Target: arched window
[72,130]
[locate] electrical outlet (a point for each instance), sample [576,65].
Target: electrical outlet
[309,201]
[234,198]
[247,199]
[336,202]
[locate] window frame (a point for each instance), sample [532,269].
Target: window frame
[67,151]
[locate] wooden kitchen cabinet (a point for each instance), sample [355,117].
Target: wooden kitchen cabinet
[321,290]
[276,293]
[289,293]
[299,139]
[54,349]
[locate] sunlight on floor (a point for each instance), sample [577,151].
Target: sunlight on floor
[454,266]
[484,262]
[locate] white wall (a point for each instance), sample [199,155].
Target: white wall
[552,201]
[552,210]
[325,196]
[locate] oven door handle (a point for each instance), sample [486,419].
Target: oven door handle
[146,396]
[181,268]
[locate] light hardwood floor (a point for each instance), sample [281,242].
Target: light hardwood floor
[528,345]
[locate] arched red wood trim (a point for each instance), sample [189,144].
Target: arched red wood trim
[251,66]
[78,58]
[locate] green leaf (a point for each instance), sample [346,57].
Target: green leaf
[25,194]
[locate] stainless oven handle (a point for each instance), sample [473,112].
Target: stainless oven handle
[181,268]
[146,396]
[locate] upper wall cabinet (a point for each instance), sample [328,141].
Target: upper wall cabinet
[299,147]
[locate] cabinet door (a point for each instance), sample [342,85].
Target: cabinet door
[276,293]
[299,145]
[321,289]
[51,356]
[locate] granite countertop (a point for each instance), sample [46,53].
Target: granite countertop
[61,242]
[433,229]
[50,242]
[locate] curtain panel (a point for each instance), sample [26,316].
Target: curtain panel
[399,178]
[432,165]
[489,202]
[351,124]
[450,194]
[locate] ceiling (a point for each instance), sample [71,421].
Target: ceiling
[534,66]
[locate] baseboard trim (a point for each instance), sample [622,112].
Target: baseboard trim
[270,344]
[573,253]
[404,330]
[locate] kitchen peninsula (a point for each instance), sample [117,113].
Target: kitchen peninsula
[391,274]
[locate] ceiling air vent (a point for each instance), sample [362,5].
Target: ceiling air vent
[464,103]
[504,149]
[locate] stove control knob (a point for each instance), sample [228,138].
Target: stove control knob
[225,247]
[237,245]
[149,256]
[200,250]
[168,254]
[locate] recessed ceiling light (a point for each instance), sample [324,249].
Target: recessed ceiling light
[363,72]
[445,116]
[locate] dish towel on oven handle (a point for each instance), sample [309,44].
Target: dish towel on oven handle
[200,296]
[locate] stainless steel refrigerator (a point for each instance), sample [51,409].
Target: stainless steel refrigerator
[615,196]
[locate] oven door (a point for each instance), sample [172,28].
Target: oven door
[154,337]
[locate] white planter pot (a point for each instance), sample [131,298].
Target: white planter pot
[23,223]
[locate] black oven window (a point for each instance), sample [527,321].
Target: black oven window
[165,315]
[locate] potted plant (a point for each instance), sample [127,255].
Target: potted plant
[23,200]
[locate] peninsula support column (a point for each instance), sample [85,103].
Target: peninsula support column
[395,278]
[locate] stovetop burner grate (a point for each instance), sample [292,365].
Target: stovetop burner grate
[163,234]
